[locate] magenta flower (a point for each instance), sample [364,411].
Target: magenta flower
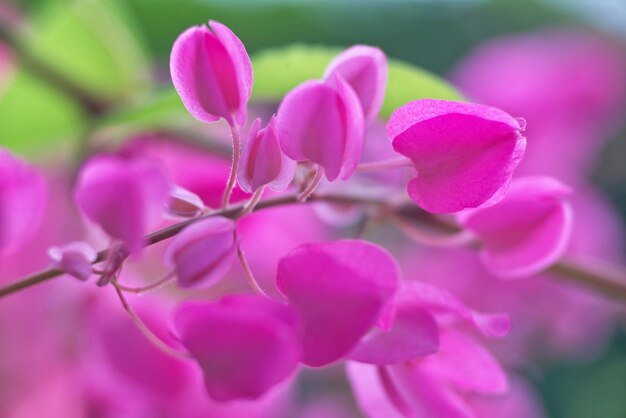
[74,259]
[126,197]
[23,195]
[203,252]
[464,153]
[364,68]
[212,73]
[245,345]
[263,162]
[340,288]
[525,232]
[322,123]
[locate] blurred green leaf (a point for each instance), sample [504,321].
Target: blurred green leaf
[277,71]
[35,118]
[89,42]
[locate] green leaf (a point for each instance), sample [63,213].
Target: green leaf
[90,43]
[35,118]
[277,71]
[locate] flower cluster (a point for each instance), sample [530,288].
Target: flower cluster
[273,291]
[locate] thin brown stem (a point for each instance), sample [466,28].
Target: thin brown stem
[147,332]
[247,270]
[152,286]
[611,284]
[254,200]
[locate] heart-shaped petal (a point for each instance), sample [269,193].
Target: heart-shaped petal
[340,288]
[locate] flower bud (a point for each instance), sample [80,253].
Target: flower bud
[125,197]
[324,124]
[74,259]
[364,68]
[203,252]
[185,204]
[212,73]
[263,162]
[464,153]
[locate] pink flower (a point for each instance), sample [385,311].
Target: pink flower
[322,123]
[340,288]
[526,231]
[245,345]
[23,195]
[212,73]
[263,162]
[464,153]
[203,252]
[74,259]
[126,197]
[364,68]
[423,365]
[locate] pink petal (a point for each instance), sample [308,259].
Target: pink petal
[340,288]
[74,259]
[263,162]
[423,394]
[125,197]
[466,364]
[322,124]
[202,253]
[364,68]
[23,198]
[369,391]
[245,345]
[464,153]
[211,72]
[440,302]
[414,334]
[525,232]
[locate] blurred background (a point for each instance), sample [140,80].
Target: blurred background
[99,68]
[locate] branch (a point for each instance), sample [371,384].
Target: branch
[607,280]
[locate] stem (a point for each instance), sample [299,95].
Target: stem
[609,281]
[308,191]
[168,277]
[247,270]
[384,165]
[420,236]
[252,202]
[234,129]
[143,328]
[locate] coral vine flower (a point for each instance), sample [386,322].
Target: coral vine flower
[23,195]
[74,259]
[126,197]
[245,345]
[322,123]
[263,162]
[203,252]
[527,230]
[364,68]
[212,73]
[184,204]
[340,288]
[464,153]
